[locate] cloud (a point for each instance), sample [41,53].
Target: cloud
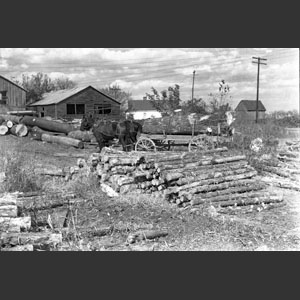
[138,69]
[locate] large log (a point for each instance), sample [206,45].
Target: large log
[8,211]
[20,130]
[14,119]
[203,184]
[8,199]
[205,162]
[228,159]
[225,196]
[50,171]
[47,125]
[128,188]
[125,161]
[62,140]
[251,200]
[39,131]
[3,129]
[22,113]
[145,235]
[15,224]
[44,203]
[202,171]
[223,173]
[9,124]
[276,171]
[218,185]
[229,191]
[36,239]
[203,168]
[19,248]
[83,136]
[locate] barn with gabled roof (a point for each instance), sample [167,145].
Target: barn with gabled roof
[74,103]
[246,109]
[12,95]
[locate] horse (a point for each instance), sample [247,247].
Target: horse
[126,131]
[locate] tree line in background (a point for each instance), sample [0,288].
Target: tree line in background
[39,84]
[167,102]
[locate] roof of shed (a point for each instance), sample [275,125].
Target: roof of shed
[62,95]
[250,105]
[15,84]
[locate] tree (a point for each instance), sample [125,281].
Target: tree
[167,101]
[197,106]
[219,102]
[120,95]
[39,84]
[64,83]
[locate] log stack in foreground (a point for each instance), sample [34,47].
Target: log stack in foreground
[213,177]
[15,234]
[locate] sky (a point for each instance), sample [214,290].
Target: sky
[137,70]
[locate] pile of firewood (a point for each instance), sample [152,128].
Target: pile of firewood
[214,177]
[15,226]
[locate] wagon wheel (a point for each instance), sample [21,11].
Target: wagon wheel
[145,144]
[201,143]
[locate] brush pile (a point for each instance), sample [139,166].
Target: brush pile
[283,170]
[15,227]
[186,179]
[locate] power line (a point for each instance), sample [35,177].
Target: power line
[258,61]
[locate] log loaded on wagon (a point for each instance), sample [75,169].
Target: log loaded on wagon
[199,133]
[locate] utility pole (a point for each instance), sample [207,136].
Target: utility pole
[193,87]
[258,62]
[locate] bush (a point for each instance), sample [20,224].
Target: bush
[247,131]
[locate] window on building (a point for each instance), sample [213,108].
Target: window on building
[3,97]
[71,109]
[103,109]
[75,109]
[80,109]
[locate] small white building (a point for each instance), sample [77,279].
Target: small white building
[142,109]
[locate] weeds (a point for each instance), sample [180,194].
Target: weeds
[19,173]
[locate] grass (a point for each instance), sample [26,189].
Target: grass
[188,230]
[19,173]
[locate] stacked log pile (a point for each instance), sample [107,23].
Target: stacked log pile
[283,170]
[43,130]
[15,227]
[180,124]
[187,179]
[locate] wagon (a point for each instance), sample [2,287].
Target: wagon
[202,139]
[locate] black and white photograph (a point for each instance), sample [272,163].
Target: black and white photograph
[149,149]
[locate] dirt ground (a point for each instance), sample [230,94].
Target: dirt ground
[102,223]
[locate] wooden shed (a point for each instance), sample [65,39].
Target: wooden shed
[74,103]
[246,110]
[12,96]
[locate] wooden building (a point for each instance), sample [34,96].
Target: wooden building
[12,96]
[246,110]
[74,103]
